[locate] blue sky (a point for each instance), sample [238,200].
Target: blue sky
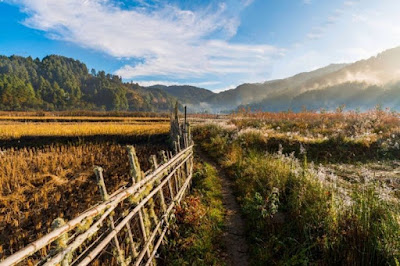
[208,43]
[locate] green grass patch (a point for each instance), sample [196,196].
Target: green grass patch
[297,216]
[196,235]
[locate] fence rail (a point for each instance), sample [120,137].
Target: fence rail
[129,225]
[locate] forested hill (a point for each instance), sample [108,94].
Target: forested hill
[61,83]
[187,94]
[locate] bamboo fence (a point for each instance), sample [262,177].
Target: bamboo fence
[129,226]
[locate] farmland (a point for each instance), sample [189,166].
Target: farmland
[314,188]
[46,168]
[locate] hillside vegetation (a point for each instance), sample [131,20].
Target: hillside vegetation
[187,94]
[60,83]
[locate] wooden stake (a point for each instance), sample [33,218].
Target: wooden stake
[143,230]
[185,119]
[62,241]
[103,191]
[153,161]
[171,193]
[179,142]
[176,111]
[135,171]
[164,157]
[131,242]
[176,181]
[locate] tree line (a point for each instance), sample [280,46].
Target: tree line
[61,83]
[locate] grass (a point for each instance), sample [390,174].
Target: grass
[9,131]
[82,119]
[341,137]
[38,185]
[82,113]
[300,213]
[196,235]
[46,167]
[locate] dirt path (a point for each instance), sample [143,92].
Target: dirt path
[234,233]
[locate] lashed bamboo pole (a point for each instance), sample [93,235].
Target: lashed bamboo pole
[84,236]
[135,171]
[164,158]
[103,190]
[109,237]
[172,205]
[176,147]
[159,241]
[106,206]
[171,193]
[62,241]
[136,176]
[93,229]
[186,184]
[131,241]
[178,141]
[143,231]
[151,205]
[161,193]
[176,181]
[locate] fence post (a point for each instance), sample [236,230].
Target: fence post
[143,230]
[62,241]
[103,191]
[176,111]
[164,157]
[179,142]
[167,157]
[135,171]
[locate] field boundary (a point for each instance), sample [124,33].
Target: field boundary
[132,222]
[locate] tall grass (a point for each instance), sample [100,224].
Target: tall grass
[196,235]
[38,185]
[296,215]
[17,130]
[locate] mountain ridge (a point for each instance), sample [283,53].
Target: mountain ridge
[187,94]
[62,83]
[376,76]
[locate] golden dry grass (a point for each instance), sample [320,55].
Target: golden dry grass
[81,118]
[15,130]
[42,182]
[38,185]
[82,113]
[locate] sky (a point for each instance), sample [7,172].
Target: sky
[214,44]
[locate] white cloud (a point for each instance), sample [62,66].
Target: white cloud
[359,31]
[169,41]
[247,2]
[307,2]
[349,3]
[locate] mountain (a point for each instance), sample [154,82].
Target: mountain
[61,83]
[249,93]
[186,94]
[360,85]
